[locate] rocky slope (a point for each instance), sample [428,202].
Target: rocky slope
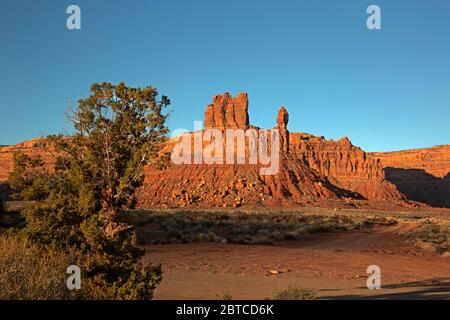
[421,174]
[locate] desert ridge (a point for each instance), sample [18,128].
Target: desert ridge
[312,171]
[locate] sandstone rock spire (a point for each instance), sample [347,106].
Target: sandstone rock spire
[282,121]
[228,112]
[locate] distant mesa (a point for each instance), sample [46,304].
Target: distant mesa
[421,174]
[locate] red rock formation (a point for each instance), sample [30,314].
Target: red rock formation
[421,174]
[346,166]
[312,170]
[315,170]
[233,186]
[434,161]
[227,112]
[282,122]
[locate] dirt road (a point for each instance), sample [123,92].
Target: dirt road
[333,264]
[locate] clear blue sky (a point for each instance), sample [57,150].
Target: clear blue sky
[385,90]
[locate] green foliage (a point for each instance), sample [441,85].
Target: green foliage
[29,180]
[83,206]
[162,162]
[119,130]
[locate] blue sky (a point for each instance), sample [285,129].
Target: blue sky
[386,90]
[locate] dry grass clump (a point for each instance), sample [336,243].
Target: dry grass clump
[244,228]
[433,236]
[28,272]
[297,293]
[224,295]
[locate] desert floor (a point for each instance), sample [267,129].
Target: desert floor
[334,264]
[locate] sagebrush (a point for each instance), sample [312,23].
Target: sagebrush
[29,272]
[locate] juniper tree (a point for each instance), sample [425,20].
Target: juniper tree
[118,130]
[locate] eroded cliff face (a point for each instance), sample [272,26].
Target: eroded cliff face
[421,174]
[434,161]
[227,112]
[346,166]
[312,170]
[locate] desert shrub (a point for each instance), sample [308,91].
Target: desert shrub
[30,272]
[13,219]
[255,228]
[277,235]
[207,223]
[29,179]
[263,232]
[2,212]
[242,239]
[432,235]
[295,235]
[262,240]
[225,296]
[162,162]
[297,293]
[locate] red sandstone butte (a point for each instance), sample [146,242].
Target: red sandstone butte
[313,171]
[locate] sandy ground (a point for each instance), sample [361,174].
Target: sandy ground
[333,264]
